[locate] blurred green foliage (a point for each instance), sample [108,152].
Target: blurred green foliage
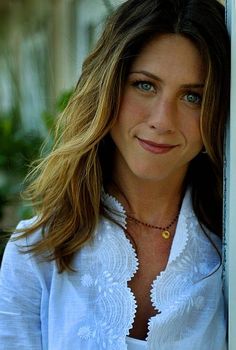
[18,148]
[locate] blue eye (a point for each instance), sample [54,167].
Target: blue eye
[144,86]
[193,98]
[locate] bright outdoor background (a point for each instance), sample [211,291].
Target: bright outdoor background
[42,46]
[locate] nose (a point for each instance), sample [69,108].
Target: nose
[162,115]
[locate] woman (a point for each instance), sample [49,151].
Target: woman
[125,250]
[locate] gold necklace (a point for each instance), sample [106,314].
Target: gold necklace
[165,230]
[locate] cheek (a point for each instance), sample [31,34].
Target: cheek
[129,116]
[190,128]
[132,110]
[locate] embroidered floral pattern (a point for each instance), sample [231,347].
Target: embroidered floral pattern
[111,262]
[87,280]
[84,332]
[177,291]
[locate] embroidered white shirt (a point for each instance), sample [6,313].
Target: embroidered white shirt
[94,309]
[136,344]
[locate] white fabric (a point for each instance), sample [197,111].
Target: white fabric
[93,308]
[135,344]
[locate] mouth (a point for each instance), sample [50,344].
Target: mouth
[153,147]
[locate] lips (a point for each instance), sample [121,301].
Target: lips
[153,147]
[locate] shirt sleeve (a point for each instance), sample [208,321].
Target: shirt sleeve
[20,300]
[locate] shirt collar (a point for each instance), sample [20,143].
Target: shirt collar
[118,213]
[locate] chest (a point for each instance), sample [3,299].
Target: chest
[153,256]
[96,310]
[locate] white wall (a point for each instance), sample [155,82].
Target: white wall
[230,186]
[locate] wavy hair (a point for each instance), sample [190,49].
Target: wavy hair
[66,186]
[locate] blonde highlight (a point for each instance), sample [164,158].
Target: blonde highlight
[65,187]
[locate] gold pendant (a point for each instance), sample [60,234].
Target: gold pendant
[165,234]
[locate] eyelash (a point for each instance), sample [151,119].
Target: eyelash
[138,82]
[199,97]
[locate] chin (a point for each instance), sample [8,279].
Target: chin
[150,174]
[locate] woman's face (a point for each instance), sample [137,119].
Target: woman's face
[157,131]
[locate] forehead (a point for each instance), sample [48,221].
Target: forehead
[171,55]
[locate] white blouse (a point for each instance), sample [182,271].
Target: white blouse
[135,344]
[94,309]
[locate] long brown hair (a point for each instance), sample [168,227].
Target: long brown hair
[66,186]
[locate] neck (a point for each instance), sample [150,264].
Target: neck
[153,202]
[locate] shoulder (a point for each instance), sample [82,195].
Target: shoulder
[19,244]
[18,260]
[29,239]
[201,228]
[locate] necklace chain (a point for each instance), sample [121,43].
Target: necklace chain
[165,230]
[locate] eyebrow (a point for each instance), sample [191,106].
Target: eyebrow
[155,77]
